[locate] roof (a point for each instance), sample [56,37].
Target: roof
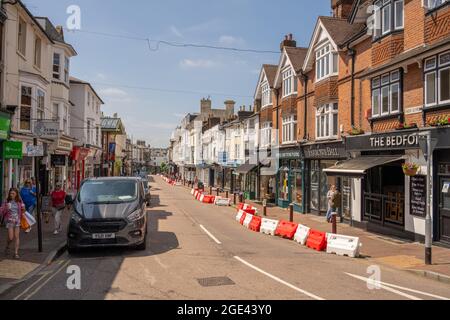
[296,56]
[53,33]
[271,71]
[78,81]
[112,124]
[340,30]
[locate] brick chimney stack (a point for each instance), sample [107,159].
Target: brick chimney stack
[342,8]
[288,42]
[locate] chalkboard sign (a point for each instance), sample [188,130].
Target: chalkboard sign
[46,204]
[418,193]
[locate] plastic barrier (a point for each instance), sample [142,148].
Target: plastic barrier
[250,211]
[195,193]
[239,215]
[255,225]
[244,216]
[269,226]
[224,202]
[241,206]
[286,229]
[192,192]
[201,198]
[317,240]
[209,199]
[248,219]
[302,234]
[343,245]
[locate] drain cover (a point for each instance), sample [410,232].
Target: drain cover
[216,282]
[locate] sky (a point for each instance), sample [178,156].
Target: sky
[152,88]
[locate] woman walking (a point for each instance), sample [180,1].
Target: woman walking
[13,210]
[59,204]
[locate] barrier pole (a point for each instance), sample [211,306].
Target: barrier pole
[234,199]
[291,213]
[334,223]
[227,194]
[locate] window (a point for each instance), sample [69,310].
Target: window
[89,131]
[388,16]
[25,108]
[22,37]
[386,94]
[289,82]
[55,112]
[56,66]
[437,80]
[98,136]
[266,95]
[66,120]
[326,62]
[266,134]
[40,110]
[66,69]
[327,121]
[37,52]
[289,128]
[433,4]
[88,98]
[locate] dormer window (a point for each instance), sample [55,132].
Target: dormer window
[326,62]
[388,17]
[266,99]
[289,82]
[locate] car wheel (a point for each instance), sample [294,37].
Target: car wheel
[143,245]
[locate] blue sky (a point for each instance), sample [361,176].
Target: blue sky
[113,65]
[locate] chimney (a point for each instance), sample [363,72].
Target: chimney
[115,115]
[205,106]
[229,108]
[60,30]
[342,8]
[288,42]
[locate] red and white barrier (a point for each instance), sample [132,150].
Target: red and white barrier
[343,246]
[269,226]
[248,219]
[239,215]
[222,202]
[302,234]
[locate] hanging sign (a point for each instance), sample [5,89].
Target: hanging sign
[35,151]
[418,193]
[47,129]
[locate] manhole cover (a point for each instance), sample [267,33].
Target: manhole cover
[216,282]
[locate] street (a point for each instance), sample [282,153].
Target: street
[198,252]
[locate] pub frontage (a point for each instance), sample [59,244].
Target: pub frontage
[384,197]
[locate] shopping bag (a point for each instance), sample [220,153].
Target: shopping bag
[30,219]
[24,223]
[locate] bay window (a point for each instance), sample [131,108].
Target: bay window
[388,17]
[327,121]
[386,94]
[56,66]
[289,128]
[326,62]
[266,94]
[40,110]
[25,108]
[437,80]
[66,69]
[289,82]
[266,134]
[55,112]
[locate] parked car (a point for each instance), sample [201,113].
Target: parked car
[109,212]
[147,193]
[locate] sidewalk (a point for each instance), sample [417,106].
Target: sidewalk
[14,271]
[381,249]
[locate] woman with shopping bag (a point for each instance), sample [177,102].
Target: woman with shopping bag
[13,213]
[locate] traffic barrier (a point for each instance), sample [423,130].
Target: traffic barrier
[201,197]
[241,206]
[192,191]
[250,210]
[302,234]
[239,215]
[269,226]
[195,193]
[317,240]
[224,202]
[244,216]
[209,199]
[248,219]
[343,246]
[286,229]
[255,225]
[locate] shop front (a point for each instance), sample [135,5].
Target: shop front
[78,157]
[60,163]
[291,179]
[318,157]
[5,127]
[248,174]
[384,198]
[12,153]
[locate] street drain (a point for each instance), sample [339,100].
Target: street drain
[216,282]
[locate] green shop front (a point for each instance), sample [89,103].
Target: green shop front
[291,179]
[5,127]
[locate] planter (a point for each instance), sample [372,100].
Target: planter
[410,172]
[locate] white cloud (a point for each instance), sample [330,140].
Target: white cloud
[175,31]
[113,93]
[197,63]
[230,40]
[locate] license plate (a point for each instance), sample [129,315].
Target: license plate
[103,236]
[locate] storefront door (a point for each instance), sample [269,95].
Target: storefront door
[347,197]
[444,210]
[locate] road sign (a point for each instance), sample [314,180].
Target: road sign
[47,129]
[35,151]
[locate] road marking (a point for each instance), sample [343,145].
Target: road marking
[313,296]
[31,286]
[47,281]
[210,235]
[389,287]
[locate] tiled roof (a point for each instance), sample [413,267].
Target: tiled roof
[271,72]
[110,123]
[297,56]
[340,30]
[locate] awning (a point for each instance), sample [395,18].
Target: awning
[245,168]
[359,166]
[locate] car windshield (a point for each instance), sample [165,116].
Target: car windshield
[115,191]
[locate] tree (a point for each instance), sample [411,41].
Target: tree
[164,168]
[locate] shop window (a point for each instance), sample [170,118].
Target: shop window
[386,94]
[25,108]
[437,80]
[284,183]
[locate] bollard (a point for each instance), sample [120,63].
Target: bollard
[334,223]
[265,211]
[210,190]
[241,198]
[291,213]
[234,201]
[227,194]
[218,192]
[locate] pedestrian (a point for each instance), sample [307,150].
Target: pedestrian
[337,203]
[12,212]
[58,205]
[330,197]
[28,195]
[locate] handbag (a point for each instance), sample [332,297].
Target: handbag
[24,225]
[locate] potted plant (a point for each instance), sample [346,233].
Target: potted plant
[410,169]
[411,126]
[443,122]
[433,123]
[356,131]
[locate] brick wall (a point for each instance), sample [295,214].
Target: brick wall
[437,25]
[326,90]
[387,48]
[266,115]
[414,24]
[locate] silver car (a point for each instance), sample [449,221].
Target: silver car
[109,212]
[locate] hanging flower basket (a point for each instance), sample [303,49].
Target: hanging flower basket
[410,169]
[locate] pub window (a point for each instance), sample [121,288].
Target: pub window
[386,94]
[437,80]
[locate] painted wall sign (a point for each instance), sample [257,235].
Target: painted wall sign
[418,194]
[399,141]
[293,153]
[47,129]
[325,151]
[13,150]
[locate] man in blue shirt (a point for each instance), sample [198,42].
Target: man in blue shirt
[28,195]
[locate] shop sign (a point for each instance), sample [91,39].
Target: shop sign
[290,154]
[325,151]
[47,129]
[13,150]
[58,160]
[419,196]
[35,151]
[80,154]
[390,141]
[64,145]
[5,125]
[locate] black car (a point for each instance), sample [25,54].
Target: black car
[109,212]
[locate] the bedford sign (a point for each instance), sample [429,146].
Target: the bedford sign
[388,141]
